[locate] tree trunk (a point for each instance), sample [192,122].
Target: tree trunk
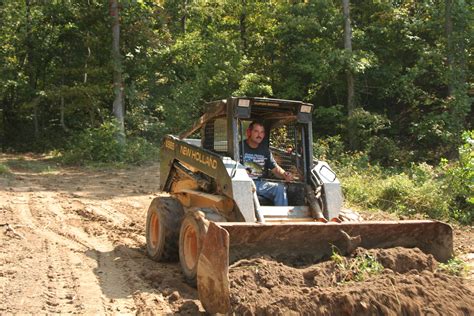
[449,45]
[61,108]
[349,75]
[30,67]
[118,105]
[184,17]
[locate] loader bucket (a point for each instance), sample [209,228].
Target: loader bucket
[305,243]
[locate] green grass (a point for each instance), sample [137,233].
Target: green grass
[4,170]
[412,191]
[454,266]
[356,269]
[34,166]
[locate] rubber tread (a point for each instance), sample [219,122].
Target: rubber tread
[170,213]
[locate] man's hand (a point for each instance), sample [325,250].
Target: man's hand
[288,176]
[281,173]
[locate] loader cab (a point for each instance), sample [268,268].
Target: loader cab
[287,128]
[287,132]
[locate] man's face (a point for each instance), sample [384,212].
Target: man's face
[257,134]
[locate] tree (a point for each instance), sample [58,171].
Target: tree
[118,105]
[351,128]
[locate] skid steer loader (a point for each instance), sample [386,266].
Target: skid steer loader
[212,215]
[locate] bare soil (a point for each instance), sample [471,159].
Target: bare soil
[408,285]
[72,241]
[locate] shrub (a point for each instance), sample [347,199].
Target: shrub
[376,188]
[402,194]
[458,180]
[384,151]
[140,150]
[366,125]
[101,145]
[443,192]
[4,170]
[329,148]
[454,266]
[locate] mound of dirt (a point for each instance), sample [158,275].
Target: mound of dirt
[406,283]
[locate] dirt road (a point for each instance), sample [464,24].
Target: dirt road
[72,241]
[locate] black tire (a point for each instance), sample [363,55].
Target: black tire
[162,228]
[192,232]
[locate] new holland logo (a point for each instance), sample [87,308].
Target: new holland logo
[198,156]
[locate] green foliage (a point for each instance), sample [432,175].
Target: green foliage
[34,166]
[254,85]
[398,192]
[366,125]
[330,120]
[454,266]
[176,55]
[4,170]
[459,181]
[357,269]
[386,152]
[329,148]
[101,145]
[441,192]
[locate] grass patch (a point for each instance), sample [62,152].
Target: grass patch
[4,170]
[454,266]
[400,193]
[35,166]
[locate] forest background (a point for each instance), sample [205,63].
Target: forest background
[392,84]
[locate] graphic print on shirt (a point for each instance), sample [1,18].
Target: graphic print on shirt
[254,164]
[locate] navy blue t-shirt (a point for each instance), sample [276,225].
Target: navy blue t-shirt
[258,161]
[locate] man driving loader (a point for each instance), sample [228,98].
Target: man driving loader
[258,160]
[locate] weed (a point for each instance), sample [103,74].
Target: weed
[356,269]
[4,170]
[440,192]
[366,266]
[454,266]
[30,165]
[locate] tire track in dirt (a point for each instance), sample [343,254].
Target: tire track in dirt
[61,293]
[46,209]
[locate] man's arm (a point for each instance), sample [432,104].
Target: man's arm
[281,173]
[277,170]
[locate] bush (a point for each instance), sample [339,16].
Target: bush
[454,266]
[440,192]
[402,194]
[366,125]
[102,145]
[329,148]
[140,150]
[406,194]
[458,180]
[4,170]
[385,151]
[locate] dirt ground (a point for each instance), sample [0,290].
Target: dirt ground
[72,241]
